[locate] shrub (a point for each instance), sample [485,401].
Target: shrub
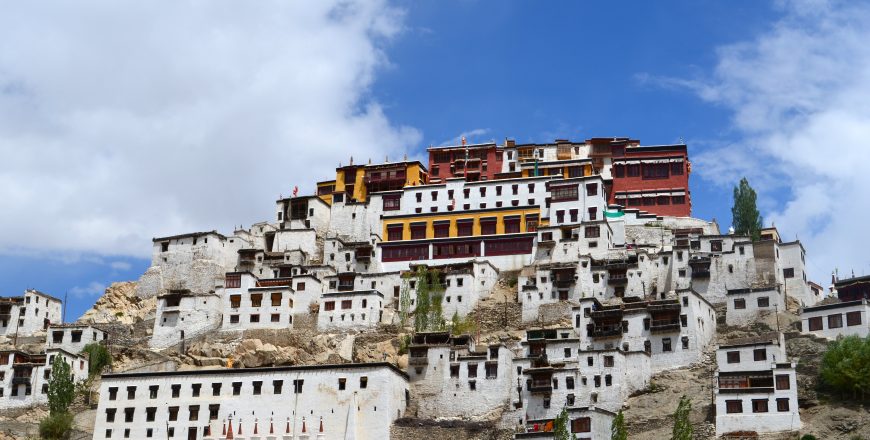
[98,358]
[56,426]
[846,366]
[682,425]
[808,437]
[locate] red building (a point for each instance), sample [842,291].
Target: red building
[472,162]
[653,179]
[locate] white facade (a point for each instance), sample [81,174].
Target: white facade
[756,387]
[354,310]
[674,332]
[24,377]
[353,401]
[834,320]
[73,337]
[746,306]
[183,315]
[29,314]
[589,423]
[464,285]
[455,381]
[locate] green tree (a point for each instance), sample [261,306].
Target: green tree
[404,301]
[98,358]
[560,427]
[61,387]
[55,426]
[745,216]
[617,428]
[846,366]
[682,426]
[428,315]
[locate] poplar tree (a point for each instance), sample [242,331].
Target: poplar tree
[682,425]
[745,216]
[617,428]
[61,388]
[560,427]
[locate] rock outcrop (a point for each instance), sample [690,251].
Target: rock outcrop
[120,305]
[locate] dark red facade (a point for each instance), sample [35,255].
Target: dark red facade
[653,179]
[472,162]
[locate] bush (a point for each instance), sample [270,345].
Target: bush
[808,437]
[98,358]
[56,426]
[846,366]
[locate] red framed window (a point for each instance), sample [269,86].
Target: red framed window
[395,232]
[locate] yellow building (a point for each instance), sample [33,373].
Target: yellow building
[476,223]
[354,183]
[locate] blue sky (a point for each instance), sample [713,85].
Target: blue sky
[170,118]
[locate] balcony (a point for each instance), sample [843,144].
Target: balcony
[563,284]
[670,306]
[701,272]
[418,360]
[617,280]
[541,386]
[746,390]
[601,331]
[20,381]
[664,325]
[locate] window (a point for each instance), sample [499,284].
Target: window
[619,170]
[783,382]
[716,245]
[472,370]
[276,299]
[491,370]
[582,424]
[418,231]
[193,413]
[739,303]
[514,189]
[567,352]
[464,227]
[853,318]
[678,200]
[763,301]
[276,317]
[759,405]
[149,413]
[592,231]
[835,321]
[297,386]
[176,390]
[511,225]
[815,323]
[277,386]
[394,232]
[342,382]
[564,193]
[128,414]
[237,388]
[216,389]
[685,340]
[759,354]
[454,371]
[152,391]
[258,387]
[329,305]
[733,406]
[569,383]
[788,272]
[574,214]
[488,226]
[346,304]
[782,404]
[113,393]
[255,318]
[363,382]
[213,411]
[733,357]
[442,230]
[195,389]
[608,361]
[131,393]
[110,414]
[173,413]
[655,170]
[677,168]
[591,189]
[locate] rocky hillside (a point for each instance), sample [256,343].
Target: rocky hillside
[120,305]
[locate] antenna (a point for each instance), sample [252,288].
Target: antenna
[63,315]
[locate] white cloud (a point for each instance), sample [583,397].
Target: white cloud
[93,289]
[799,94]
[120,265]
[120,121]
[473,136]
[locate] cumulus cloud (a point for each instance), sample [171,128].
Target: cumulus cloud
[93,289]
[121,121]
[799,95]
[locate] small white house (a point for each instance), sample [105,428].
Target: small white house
[182,314]
[24,376]
[353,310]
[28,314]
[73,337]
[840,319]
[756,387]
[745,306]
[585,423]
